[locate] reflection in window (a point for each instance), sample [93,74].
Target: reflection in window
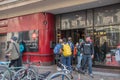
[106,39]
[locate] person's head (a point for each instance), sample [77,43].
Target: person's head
[69,39]
[60,41]
[64,40]
[13,38]
[76,44]
[88,39]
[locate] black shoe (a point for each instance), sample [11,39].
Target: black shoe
[81,71]
[71,76]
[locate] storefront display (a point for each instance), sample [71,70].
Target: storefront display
[102,24]
[106,41]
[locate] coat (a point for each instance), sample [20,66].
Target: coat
[14,54]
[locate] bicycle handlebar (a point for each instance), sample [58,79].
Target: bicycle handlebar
[4,63]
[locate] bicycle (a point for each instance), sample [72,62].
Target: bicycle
[26,73]
[63,74]
[3,69]
[6,73]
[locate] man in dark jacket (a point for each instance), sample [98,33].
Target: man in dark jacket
[88,54]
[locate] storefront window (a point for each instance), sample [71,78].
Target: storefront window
[106,40]
[73,20]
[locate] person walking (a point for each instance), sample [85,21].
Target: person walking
[79,53]
[13,52]
[88,55]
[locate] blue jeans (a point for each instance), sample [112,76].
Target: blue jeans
[87,60]
[79,59]
[66,60]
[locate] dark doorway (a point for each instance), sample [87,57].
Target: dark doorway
[76,34]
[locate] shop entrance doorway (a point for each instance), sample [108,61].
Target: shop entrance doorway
[76,34]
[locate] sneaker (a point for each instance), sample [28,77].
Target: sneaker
[91,75]
[76,68]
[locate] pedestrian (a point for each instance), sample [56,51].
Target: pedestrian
[72,47]
[22,49]
[58,47]
[66,53]
[13,52]
[58,50]
[79,53]
[88,54]
[75,52]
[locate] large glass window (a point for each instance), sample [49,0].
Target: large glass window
[106,40]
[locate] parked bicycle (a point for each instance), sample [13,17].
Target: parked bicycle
[25,72]
[6,72]
[63,74]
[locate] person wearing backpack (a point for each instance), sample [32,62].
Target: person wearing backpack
[79,53]
[71,46]
[66,53]
[58,50]
[88,55]
[58,47]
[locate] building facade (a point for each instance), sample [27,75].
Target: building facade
[102,24]
[35,30]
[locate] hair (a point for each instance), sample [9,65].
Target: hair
[64,40]
[69,38]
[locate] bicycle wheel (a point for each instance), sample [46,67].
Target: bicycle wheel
[25,74]
[59,76]
[4,73]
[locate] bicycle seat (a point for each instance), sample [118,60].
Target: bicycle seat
[44,75]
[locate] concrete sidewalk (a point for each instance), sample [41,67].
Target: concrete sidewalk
[98,75]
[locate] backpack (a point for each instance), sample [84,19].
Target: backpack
[57,48]
[66,50]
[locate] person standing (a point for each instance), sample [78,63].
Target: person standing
[13,52]
[58,51]
[88,54]
[79,53]
[71,46]
[22,49]
[66,53]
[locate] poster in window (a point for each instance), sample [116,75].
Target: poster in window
[29,38]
